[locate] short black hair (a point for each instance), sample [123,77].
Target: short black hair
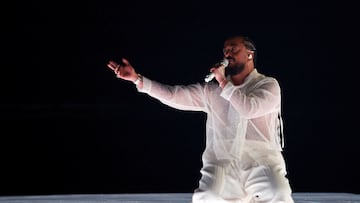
[249,44]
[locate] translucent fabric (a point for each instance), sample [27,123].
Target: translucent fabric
[248,111]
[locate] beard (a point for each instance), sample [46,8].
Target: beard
[234,69]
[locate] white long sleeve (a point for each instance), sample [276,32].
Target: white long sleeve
[249,111]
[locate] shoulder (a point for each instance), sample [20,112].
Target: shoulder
[262,78]
[266,82]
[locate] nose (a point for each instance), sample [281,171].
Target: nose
[226,53]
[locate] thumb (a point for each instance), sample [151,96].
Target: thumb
[126,62]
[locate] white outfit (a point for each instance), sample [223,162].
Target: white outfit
[242,161]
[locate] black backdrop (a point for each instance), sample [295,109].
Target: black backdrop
[69,126]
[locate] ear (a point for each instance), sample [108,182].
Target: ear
[250,54]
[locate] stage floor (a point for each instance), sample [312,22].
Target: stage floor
[165,198]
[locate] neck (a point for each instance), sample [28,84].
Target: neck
[239,78]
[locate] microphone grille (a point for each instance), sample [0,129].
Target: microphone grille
[224,62]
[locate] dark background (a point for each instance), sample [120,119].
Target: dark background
[68,125]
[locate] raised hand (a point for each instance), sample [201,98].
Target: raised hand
[125,72]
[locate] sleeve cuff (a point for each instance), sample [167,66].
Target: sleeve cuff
[146,87]
[228,90]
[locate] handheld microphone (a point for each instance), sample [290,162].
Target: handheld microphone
[223,63]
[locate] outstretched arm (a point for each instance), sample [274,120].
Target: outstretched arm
[181,97]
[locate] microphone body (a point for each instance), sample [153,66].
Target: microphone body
[223,63]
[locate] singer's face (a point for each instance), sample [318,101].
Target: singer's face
[235,51]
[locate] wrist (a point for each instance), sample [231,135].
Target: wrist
[223,83]
[138,79]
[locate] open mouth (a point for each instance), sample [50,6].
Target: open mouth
[231,61]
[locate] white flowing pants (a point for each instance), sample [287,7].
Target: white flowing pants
[257,178]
